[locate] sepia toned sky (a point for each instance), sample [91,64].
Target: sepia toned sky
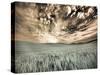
[55,23]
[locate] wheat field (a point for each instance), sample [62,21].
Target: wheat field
[32,57]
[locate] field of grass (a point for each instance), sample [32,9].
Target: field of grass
[32,57]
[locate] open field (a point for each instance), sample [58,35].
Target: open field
[32,57]
[53,37]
